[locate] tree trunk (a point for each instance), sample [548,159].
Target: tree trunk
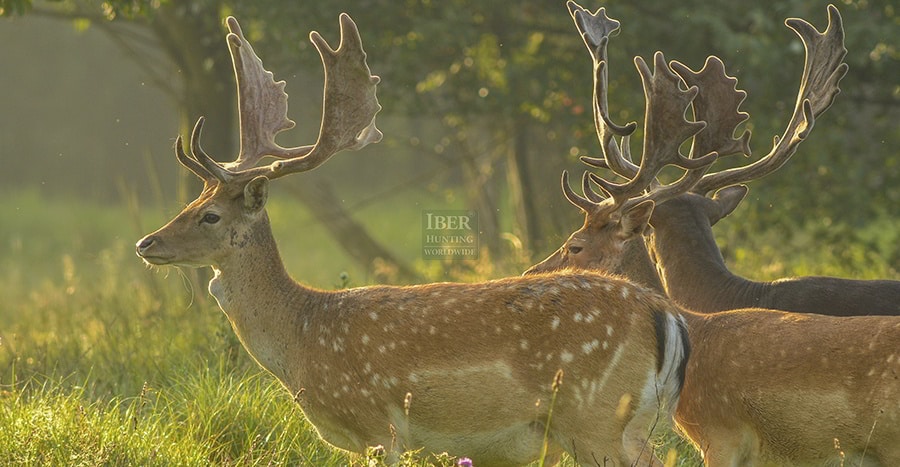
[320,199]
[195,43]
[521,195]
[481,193]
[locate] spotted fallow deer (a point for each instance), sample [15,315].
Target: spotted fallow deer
[690,264]
[763,387]
[468,369]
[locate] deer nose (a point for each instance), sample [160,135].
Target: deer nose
[143,244]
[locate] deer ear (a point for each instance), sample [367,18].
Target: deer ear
[725,201]
[255,194]
[636,219]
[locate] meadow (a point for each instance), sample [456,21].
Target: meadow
[104,361]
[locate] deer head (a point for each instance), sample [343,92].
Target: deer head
[617,213]
[231,206]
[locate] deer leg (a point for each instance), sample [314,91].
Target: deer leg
[638,450]
[731,450]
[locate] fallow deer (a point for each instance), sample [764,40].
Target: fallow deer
[690,264]
[468,369]
[763,387]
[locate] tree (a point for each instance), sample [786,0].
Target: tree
[503,92]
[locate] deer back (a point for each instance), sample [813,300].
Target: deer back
[696,276]
[774,388]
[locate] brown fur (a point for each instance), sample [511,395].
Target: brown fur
[768,387]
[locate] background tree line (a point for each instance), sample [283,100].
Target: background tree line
[487,102]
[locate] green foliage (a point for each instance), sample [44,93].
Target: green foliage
[48,426]
[814,248]
[111,9]
[105,362]
[478,81]
[14,7]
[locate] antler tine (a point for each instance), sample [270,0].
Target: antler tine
[656,191]
[625,164]
[192,164]
[597,198]
[659,193]
[822,72]
[212,167]
[596,29]
[592,201]
[582,202]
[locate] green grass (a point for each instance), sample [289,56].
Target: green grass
[200,416]
[106,362]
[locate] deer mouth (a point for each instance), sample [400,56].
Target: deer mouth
[171,261]
[156,260]
[162,259]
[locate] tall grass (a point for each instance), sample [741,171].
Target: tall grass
[106,362]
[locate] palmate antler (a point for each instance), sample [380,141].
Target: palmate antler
[717,103]
[348,111]
[665,125]
[822,71]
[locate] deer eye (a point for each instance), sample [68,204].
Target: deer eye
[210,218]
[574,249]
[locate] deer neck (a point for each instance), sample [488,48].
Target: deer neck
[690,264]
[637,266]
[265,306]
